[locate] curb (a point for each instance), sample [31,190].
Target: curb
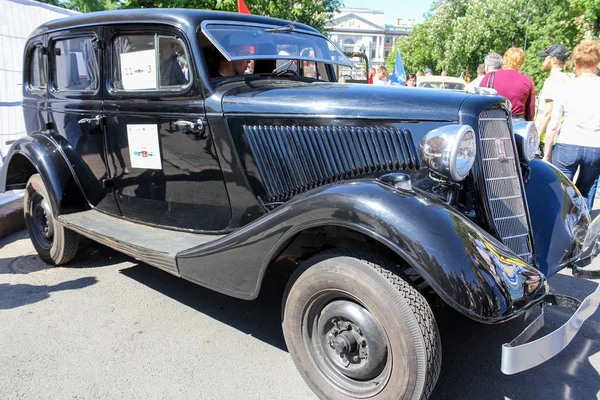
[11,218]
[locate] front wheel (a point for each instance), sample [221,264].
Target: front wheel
[356,330]
[54,243]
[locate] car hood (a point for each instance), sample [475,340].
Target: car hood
[287,97]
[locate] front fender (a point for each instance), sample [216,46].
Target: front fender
[559,217]
[467,267]
[50,164]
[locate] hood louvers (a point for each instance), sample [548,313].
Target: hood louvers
[294,159]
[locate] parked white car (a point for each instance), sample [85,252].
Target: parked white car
[442,82]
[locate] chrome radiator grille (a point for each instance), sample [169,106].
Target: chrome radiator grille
[293,159]
[502,184]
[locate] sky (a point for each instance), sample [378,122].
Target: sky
[405,9]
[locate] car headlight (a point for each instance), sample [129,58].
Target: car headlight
[527,138]
[449,151]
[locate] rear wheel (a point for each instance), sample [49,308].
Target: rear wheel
[54,243]
[355,329]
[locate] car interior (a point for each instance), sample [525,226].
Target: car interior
[264,67]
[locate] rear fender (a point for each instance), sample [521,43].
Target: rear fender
[467,267]
[41,153]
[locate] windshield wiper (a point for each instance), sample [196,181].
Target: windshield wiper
[282,68]
[282,29]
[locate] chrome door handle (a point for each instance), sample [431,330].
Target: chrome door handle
[196,127]
[94,120]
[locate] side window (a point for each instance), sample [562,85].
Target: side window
[75,66]
[149,62]
[36,73]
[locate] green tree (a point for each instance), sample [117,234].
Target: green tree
[313,13]
[428,44]
[457,34]
[91,5]
[83,5]
[51,2]
[415,56]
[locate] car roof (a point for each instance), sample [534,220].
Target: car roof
[171,16]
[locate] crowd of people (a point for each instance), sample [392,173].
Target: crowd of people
[572,128]
[567,116]
[379,76]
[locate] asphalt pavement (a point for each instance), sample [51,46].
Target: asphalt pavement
[109,327]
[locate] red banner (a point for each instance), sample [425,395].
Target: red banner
[242,8]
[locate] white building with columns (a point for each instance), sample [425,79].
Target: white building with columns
[362,29]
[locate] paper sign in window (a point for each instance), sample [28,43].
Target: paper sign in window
[81,67]
[144,147]
[138,70]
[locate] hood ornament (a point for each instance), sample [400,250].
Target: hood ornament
[501,150]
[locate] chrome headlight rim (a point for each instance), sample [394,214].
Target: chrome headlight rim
[460,135]
[524,130]
[440,147]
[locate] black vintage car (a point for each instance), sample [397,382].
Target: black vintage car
[149,132]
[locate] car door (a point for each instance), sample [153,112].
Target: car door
[162,157]
[75,99]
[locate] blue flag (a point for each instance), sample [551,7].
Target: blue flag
[398,77]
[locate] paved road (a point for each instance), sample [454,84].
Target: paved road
[108,327]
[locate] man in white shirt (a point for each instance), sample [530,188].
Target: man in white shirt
[554,58]
[477,81]
[380,77]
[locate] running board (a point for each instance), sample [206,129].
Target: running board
[154,246]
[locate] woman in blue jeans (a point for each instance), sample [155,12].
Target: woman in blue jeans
[578,145]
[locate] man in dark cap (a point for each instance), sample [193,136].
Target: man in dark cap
[554,58]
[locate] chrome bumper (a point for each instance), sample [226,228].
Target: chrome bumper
[518,355]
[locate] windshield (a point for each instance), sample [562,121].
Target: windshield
[245,42]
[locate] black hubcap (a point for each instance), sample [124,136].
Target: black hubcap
[347,344]
[344,343]
[354,341]
[42,221]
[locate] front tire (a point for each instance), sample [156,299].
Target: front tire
[54,243]
[355,329]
